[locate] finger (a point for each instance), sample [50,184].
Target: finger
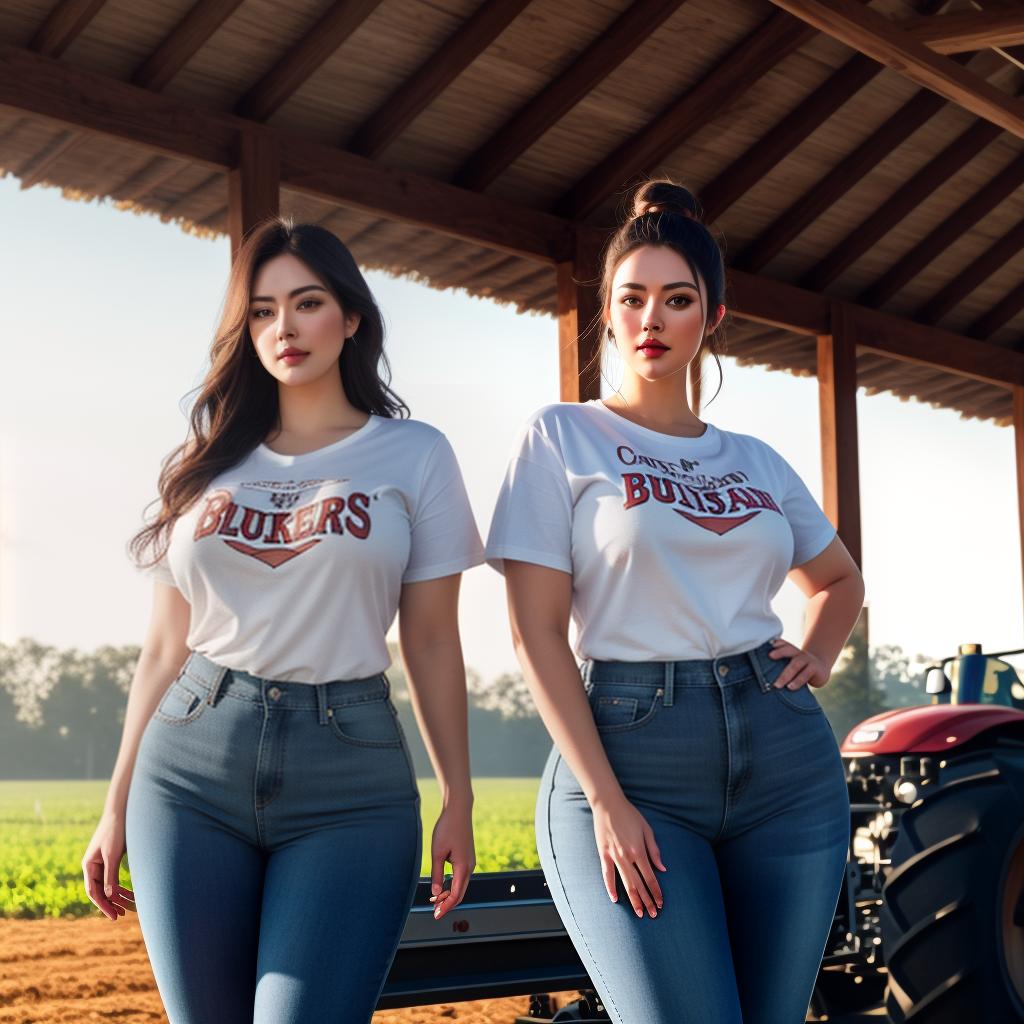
[460,879]
[650,880]
[437,872]
[782,649]
[632,884]
[110,871]
[802,678]
[608,873]
[92,871]
[796,663]
[653,850]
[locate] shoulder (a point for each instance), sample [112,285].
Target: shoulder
[552,421]
[752,447]
[419,437]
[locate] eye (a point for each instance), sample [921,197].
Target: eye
[630,299]
[680,301]
[310,303]
[257,314]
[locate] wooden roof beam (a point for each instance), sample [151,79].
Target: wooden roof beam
[63,25]
[848,172]
[95,103]
[871,34]
[732,76]
[436,73]
[999,315]
[292,71]
[583,75]
[965,31]
[34,169]
[942,237]
[183,42]
[901,204]
[965,282]
[777,143]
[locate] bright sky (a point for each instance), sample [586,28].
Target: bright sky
[107,318]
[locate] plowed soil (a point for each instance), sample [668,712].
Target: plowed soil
[90,969]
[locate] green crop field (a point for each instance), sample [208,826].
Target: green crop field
[44,827]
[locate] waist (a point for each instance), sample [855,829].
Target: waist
[215,679]
[720,671]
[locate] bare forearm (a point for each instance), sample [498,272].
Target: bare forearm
[437,685]
[151,679]
[554,680]
[831,615]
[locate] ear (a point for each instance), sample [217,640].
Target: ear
[717,319]
[352,322]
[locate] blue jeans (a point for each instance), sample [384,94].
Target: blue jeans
[273,837]
[745,791]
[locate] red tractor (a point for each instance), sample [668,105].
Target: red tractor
[932,912]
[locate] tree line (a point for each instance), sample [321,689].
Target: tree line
[62,710]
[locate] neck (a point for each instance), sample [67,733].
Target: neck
[658,404]
[317,408]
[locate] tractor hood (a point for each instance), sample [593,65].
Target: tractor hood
[930,729]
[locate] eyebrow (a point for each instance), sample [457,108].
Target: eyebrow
[291,294]
[633,286]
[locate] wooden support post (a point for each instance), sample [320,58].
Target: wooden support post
[580,332]
[1018,438]
[837,403]
[254,185]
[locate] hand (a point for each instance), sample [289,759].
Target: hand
[626,844]
[100,867]
[804,668]
[453,842]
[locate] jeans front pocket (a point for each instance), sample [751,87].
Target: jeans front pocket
[621,707]
[366,723]
[182,703]
[802,700]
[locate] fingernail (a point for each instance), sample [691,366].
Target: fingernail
[108,890]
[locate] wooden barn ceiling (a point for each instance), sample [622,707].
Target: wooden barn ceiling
[866,154]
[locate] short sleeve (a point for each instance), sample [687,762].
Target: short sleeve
[160,572]
[812,530]
[532,519]
[445,539]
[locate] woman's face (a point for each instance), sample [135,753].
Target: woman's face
[656,310]
[296,323]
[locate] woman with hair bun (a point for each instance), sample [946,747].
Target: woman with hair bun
[693,818]
[263,785]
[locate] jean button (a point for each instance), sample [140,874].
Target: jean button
[723,670]
[273,693]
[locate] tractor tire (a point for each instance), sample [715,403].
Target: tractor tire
[952,917]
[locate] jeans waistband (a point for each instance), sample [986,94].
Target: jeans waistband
[216,679]
[671,675]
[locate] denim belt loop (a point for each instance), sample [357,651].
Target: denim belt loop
[670,684]
[215,685]
[755,662]
[321,702]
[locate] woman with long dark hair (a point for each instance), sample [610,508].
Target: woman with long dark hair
[263,786]
[693,820]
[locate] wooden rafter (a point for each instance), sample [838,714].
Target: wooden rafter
[96,103]
[777,143]
[847,173]
[183,42]
[63,25]
[156,172]
[942,237]
[436,73]
[298,64]
[999,315]
[865,30]
[583,75]
[732,76]
[965,31]
[34,169]
[179,205]
[901,204]
[989,262]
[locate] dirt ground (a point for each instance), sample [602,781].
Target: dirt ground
[75,971]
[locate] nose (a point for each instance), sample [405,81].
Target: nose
[651,322]
[285,329]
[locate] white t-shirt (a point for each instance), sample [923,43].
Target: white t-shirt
[676,545]
[293,564]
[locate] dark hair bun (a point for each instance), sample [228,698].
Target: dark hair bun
[664,196]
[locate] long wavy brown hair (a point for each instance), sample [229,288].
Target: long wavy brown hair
[237,403]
